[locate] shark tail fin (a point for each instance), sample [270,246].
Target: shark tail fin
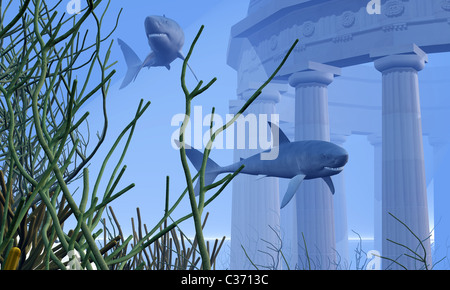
[134,63]
[212,169]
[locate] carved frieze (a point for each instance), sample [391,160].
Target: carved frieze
[347,32]
[308,29]
[273,42]
[343,38]
[445,4]
[348,19]
[395,27]
[394,8]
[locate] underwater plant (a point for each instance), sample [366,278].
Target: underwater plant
[173,251]
[44,61]
[418,254]
[197,207]
[46,73]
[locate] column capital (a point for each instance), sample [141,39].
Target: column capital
[267,95]
[410,61]
[403,57]
[337,138]
[375,139]
[235,105]
[313,72]
[271,93]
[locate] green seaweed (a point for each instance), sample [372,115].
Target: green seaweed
[46,68]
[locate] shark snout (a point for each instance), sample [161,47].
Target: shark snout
[338,160]
[342,159]
[153,25]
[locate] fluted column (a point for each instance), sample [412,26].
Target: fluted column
[375,141]
[404,186]
[340,208]
[255,202]
[315,213]
[441,159]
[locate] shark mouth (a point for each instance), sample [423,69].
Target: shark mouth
[154,35]
[334,169]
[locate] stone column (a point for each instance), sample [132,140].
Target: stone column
[375,141]
[441,159]
[255,202]
[404,186]
[289,215]
[315,214]
[340,209]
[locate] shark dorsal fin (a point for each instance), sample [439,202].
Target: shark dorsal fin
[282,137]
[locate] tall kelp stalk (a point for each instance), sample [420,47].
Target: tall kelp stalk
[197,207]
[42,149]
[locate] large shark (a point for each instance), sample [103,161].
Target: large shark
[166,39]
[296,160]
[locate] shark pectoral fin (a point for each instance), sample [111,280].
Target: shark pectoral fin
[149,60]
[294,184]
[329,182]
[181,55]
[168,67]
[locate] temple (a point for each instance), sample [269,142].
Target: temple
[401,111]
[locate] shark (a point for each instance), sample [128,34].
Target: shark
[165,38]
[297,161]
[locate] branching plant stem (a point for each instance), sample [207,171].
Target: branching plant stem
[197,208]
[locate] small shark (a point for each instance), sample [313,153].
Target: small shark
[166,39]
[296,160]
